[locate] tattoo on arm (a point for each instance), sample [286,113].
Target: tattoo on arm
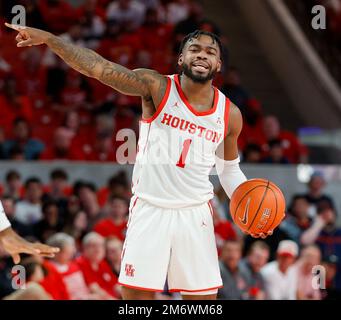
[89,63]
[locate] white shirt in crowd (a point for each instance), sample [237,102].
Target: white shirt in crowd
[279,286]
[4,223]
[28,213]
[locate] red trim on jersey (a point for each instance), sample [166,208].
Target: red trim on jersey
[161,105]
[227,115]
[186,102]
[200,290]
[210,207]
[139,288]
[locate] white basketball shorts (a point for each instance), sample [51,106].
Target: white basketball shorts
[173,245]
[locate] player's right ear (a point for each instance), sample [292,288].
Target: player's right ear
[180,60]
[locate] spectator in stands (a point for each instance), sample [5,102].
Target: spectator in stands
[89,203]
[76,226]
[71,273]
[95,268]
[50,223]
[14,187]
[58,190]
[154,33]
[61,147]
[32,78]
[53,282]
[9,208]
[34,273]
[252,133]
[32,147]
[251,265]
[177,10]
[103,149]
[327,235]
[273,241]
[188,25]
[29,210]
[234,278]
[58,15]
[293,150]
[114,248]
[315,194]
[117,185]
[252,153]
[298,218]
[331,292]
[234,89]
[92,20]
[310,258]
[116,223]
[13,104]
[74,95]
[16,153]
[280,276]
[72,122]
[275,153]
[127,11]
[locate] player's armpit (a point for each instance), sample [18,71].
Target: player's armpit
[228,149]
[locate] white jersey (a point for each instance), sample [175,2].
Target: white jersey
[176,150]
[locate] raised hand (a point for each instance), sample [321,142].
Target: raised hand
[28,37]
[14,245]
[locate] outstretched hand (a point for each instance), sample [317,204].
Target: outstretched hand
[28,37]
[14,245]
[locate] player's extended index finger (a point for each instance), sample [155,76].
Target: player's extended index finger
[14,26]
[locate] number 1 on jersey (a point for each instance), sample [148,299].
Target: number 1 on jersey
[183,156]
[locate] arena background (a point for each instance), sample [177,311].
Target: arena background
[278,68]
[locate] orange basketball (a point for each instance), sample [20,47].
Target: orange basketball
[257,206]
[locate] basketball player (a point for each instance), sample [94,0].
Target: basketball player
[170,229]
[14,244]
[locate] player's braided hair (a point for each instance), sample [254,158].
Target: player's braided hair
[196,34]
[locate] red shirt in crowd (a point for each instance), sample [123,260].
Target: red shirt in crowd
[74,281]
[103,276]
[107,228]
[53,283]
[59,18]
[21,107]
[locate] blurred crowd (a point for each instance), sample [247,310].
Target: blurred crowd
[327,41]
[49,111]
[302,260]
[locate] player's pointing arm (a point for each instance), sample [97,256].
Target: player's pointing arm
[148,84]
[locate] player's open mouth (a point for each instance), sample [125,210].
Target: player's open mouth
[200,67]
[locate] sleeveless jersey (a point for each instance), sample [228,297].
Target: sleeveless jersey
[176,150]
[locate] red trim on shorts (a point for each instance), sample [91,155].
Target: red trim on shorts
[139,288]
[226,115]
[131,211]
[186,102]
[210,207]
[200,290]
[161,105]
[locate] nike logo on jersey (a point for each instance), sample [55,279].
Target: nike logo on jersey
[192,128]
[245,218]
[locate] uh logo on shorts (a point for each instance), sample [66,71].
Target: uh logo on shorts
[129,270]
